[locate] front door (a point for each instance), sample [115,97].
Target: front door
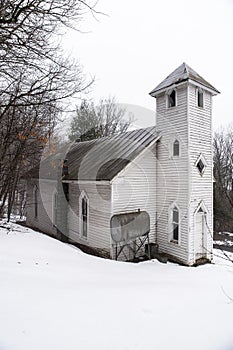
[200,251]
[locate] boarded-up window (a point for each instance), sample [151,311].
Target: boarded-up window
[176,148]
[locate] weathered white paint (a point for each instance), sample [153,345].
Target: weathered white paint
[199,235]
[135,187]
[172,172]
[201,186]
[154,181]
[44,221]
[99,215]
[179,180]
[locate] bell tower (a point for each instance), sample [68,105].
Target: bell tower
[184,166]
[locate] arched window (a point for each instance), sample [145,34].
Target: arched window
[176,148]
[55,202]
[84,215]
[174,223]
[35,200]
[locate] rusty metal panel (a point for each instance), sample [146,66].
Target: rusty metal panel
[127,227]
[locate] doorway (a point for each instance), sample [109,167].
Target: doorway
[200,241]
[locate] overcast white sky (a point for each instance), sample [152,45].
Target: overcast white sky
[139,43]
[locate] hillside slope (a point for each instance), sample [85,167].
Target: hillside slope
[53,296]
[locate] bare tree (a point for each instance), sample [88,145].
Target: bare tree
[223,173]
[35,81]
[105,119]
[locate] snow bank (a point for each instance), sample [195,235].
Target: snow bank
[53,296]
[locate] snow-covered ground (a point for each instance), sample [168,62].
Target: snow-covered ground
[224,242]
[53,296]
[224,239]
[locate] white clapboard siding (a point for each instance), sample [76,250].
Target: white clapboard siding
[201,186]
[135,187]
[99,214]
[153,182]
[44,220]
[172,172]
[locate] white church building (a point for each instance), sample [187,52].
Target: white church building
[147,188]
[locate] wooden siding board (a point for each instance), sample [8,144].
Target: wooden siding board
[201,143]
[182,181]
[172,172]
[44,220]
[135,188]
[99,215]
[152,181]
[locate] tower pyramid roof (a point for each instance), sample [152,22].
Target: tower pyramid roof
[180,74]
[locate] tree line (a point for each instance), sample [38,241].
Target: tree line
[104,119]
[92,121]
[36,83]
[36,79]
[223,177]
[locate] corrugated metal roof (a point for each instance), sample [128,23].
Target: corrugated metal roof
[182,73]
[100,159]
[104,158]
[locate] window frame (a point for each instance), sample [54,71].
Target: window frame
[168,101]
[172,140]
[198,92]
[202,159]
[83,196]
[174,207]
[173,148]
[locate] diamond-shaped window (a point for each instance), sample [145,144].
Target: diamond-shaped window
[201,165]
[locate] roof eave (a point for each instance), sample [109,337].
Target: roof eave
[212,90]
[156,92]
[83,182]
